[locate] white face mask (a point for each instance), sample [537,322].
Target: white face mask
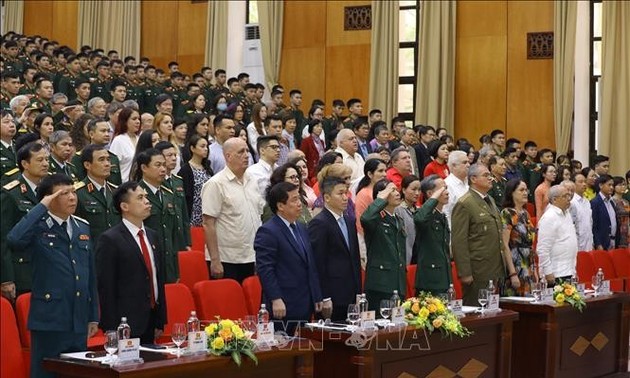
[221,107]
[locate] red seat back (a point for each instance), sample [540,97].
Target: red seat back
[198,239]
[603,259]
[253,294]
[223,298]
[456,283]
[12,362]
[585,267]
[192,267]
[179,304]
[531,209]
[621,261]
[22,306]
[411,280]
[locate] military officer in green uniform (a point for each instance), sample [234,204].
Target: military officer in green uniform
[102,82]
[69,77]
[498,169]
[60,143]
[477,236]
[11,60]
[163,218]
[95,193]
[433,239]
[98,130]
[178,93]
[334,120]
[8,161]
[151,90]
[176,184]
[355,107]
[72,111]
[43,95]
[10,88]
[16,199]
[386,245]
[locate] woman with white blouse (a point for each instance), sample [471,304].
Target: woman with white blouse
[125,140]
[256,127]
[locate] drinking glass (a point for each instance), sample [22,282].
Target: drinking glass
[596,283]
[386,308]
[178,335]
[111,345]
[353,314]
[482,298]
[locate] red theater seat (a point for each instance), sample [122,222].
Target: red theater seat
[12,361]
[223,298]
[192,267]
[253,294]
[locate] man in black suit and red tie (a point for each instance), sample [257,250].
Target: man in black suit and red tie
[130,269]
[336,248]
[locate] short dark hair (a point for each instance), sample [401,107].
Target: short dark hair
[379,127]
[375,111]
[47,184]
[218,120]
[263,141]
[279,193]
[352,101]
[378,186]
[496,132]
[172,63]
[219,72]
[338,102]
[294,92]
[122,193]
[529,144]
[144,158]
[87,154]
[360,121]
[250,86]
[330,182]
[603,179]
[159,99]
[27,148]
[600,159]
[163,145]
[242,75]
[512,141]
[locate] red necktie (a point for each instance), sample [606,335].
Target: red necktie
[147,262]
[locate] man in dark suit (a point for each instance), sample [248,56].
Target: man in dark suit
[426,134]
[336,248]
[130,268]
[605,227]
[285,262]
[64,307]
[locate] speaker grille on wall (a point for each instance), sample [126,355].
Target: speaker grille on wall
[540,45]
[357,18]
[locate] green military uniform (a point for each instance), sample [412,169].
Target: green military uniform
[12,64]
[97,207]
[68,169]
[151,90]
[101,88]
[42,104]
[163,220]
[180,101]
[5,99]
[114,171]
[348,123]
[477,243]
[64,125]
[66,84]
[8,160]
[330,123]
[248,107]
[532,177]
[498,191]
[135,91]
[386,253]
[432,245]
[182,237]
[28,90]
[9,176]
[16,199]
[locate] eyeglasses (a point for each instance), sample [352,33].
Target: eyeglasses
[292,177]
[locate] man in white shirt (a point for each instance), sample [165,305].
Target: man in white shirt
[223,130]
[231,207]
[557,240]
[269,152]
[348,147]
[581,214]
[456,181]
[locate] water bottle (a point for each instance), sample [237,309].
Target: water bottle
[491,288]
[124,331]
[395,299]
[193,324]
[263,314]
[363,304]
[450,294]
[600,279]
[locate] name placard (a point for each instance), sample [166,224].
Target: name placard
[580,288]
[398,315]
[547,295]
[493,302]
[367,319]
[128,349]
[265,332]
[456,307]
[197,342]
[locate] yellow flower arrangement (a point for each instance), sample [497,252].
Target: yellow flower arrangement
[567,293]
[226,338]
[430,313]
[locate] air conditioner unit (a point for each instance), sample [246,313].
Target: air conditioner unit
[252,54]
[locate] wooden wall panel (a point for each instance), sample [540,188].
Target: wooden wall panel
[64,22]
[480,69]
[159,32]
[321,58]
[529,82]
[38,17]
[191,35]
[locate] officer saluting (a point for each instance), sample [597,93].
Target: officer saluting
[64,306]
